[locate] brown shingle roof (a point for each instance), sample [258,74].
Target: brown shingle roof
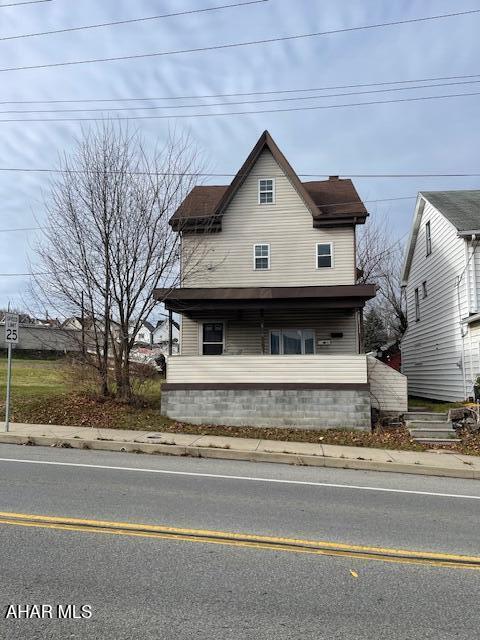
[333,201]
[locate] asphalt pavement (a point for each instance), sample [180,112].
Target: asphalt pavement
[153,588]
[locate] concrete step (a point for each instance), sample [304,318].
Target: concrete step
[428,424]
[437,440]
[425,416]
[432,433]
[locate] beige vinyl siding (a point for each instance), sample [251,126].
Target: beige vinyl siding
[188,336]
[225,259]
[432,347]
[343,369]
[388,388]
[243,335]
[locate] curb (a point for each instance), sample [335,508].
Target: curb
[235,454]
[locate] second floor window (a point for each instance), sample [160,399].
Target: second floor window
[424,289]
[261,256]
[428,238]
[417,305]
[266,191]
[324,255]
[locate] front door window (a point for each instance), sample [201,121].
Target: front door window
[292,341]
[212,338]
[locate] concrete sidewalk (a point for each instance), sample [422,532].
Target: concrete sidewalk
[435,463]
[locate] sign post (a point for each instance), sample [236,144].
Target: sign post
[11,337]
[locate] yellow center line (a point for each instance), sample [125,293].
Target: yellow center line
[205,536]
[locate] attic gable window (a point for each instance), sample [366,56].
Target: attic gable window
[428,238]
[266,191]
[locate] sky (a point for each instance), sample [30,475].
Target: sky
[431,136]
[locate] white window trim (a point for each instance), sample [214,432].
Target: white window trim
[331,256]
[261,244]
[200,335]
[266,204]
[281,329]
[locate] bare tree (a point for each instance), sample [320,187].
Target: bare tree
[107,240]
[380,260]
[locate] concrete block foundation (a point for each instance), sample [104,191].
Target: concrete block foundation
[303,408]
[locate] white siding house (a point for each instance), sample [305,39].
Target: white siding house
[440,349]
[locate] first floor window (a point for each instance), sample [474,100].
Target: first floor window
[261,256]
[324,255]
[212,338]
[417,305]
[266,191]
[292,341]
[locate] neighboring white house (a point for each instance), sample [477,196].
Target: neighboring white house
[271,315]
[161,333]
[441,347]
[144,333]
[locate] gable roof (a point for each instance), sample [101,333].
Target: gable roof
[331,202]
[460,208]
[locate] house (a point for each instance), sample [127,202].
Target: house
[144,333]
[271,311]
[161,332]
[441,347]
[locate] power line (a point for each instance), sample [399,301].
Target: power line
[227,104]
[241,44]
[171,116]
[130,21]
[17,4]
[250,93]
[232,175]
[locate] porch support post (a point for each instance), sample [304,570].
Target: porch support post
[262,330]
[170,325]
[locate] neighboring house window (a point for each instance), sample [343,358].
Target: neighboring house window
[424,289]
[417,305]
[428,238]
[324,255]
[261,256]
[141,336]
[212,338]
[266,191]
[292,341]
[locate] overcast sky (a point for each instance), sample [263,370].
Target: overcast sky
[439,136]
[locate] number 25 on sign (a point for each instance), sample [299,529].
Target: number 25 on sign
[11,337]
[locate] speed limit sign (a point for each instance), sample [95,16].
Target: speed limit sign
[11,328]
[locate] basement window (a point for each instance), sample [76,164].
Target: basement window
[266,191]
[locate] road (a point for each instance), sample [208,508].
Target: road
[152,587]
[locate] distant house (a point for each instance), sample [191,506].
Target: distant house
[144,333]
[161,333]
[441,346]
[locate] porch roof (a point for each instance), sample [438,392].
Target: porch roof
[222,298]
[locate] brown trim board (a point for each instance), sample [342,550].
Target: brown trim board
[281,386]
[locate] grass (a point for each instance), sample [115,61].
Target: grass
[436,406]
[46,392]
